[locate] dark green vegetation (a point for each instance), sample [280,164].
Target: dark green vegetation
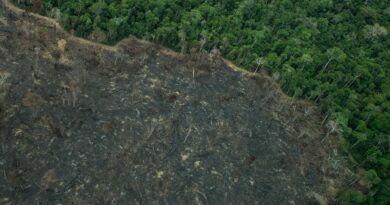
[332,52]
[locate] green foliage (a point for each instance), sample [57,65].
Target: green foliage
[333,52]
[378,195]
[352,198]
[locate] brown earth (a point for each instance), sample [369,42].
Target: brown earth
[84,123]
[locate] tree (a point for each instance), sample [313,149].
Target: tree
[306,60]
[374,32]
[183,41]
[97,8]
[259,64]
[335,54]
[37,6]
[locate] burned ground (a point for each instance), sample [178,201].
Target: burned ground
[83,123]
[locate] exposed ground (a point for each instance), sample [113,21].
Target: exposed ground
[83,123]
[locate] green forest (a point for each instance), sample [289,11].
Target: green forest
[334,53]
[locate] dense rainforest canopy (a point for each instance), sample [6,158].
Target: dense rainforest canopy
[335,53]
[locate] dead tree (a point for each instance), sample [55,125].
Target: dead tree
[37,6]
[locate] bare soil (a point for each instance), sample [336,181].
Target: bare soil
[84,123]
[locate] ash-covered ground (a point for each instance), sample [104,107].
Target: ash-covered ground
[83,123]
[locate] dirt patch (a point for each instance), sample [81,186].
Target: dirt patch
[83,123]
